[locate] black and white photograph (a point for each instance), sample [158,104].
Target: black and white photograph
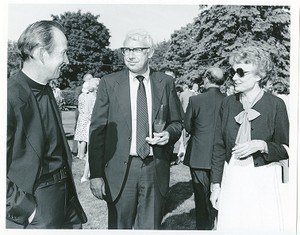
[158,116]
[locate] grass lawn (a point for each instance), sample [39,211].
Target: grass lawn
[179,213]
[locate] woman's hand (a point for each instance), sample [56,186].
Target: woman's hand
[244,150]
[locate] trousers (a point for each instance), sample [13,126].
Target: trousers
[140,204]
[205,213]
[55,208]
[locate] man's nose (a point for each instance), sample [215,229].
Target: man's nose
[66,60]
[131,54]
[235,77]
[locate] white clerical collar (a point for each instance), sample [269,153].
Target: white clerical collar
[34,79]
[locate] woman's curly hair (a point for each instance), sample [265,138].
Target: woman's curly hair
[259,57]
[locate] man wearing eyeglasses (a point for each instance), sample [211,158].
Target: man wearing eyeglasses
[128,157]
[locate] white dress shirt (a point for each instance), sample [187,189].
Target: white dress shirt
[134,84]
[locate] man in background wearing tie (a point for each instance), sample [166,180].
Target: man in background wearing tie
[129,161]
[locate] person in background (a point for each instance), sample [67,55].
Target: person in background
[184,100]
[77,92]
[85,107]
[195,88]
[40,190]
[128,156]
[201,89]
[252,136]
[230,89]
[185,96]
[57,94]
[200,122]
[178,90]
[86,103]
[268,87]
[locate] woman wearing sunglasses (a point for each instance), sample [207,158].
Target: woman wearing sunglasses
[252,136]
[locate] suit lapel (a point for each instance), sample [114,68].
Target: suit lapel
[123,91]
[157,91]
[28,102]
[123,96]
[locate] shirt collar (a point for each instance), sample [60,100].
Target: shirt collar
[146,74]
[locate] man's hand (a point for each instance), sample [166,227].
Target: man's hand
[97,186]
[161,138]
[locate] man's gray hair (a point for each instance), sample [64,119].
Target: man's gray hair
[140,35]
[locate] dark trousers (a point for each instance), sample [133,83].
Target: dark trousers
[54,208]
[205,213]
[140,204]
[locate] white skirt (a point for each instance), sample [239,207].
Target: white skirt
[250,197]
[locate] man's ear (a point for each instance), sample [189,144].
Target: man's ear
[150,53]
[38,53]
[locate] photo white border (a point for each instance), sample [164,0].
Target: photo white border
[294,105]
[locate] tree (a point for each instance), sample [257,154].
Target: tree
[218,30]
[181,45]
[88,42]
[13,59]
[157,61]
[117,60]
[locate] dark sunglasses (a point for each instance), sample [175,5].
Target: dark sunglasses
[239,71]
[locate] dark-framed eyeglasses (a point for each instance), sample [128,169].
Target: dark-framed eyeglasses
[240,72]
[136,50]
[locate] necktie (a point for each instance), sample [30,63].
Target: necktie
[142,123]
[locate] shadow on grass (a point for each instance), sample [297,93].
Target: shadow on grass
[177,194]
[184,221]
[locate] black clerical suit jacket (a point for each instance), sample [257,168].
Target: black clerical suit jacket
[26,141]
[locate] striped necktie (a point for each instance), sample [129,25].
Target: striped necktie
[142,126]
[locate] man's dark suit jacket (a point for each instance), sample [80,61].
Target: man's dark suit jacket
[25,149]
[110,129]
[200,121]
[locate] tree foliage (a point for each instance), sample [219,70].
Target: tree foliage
[218,30]
[88,42]
[158,58]
[13,59]
[207,41]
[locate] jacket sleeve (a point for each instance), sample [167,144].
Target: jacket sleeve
[219,150]
[175,116]
[188,116]
[19,205]
[276,151]
[98,126]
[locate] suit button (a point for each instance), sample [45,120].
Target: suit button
[129,138]
[125,163]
